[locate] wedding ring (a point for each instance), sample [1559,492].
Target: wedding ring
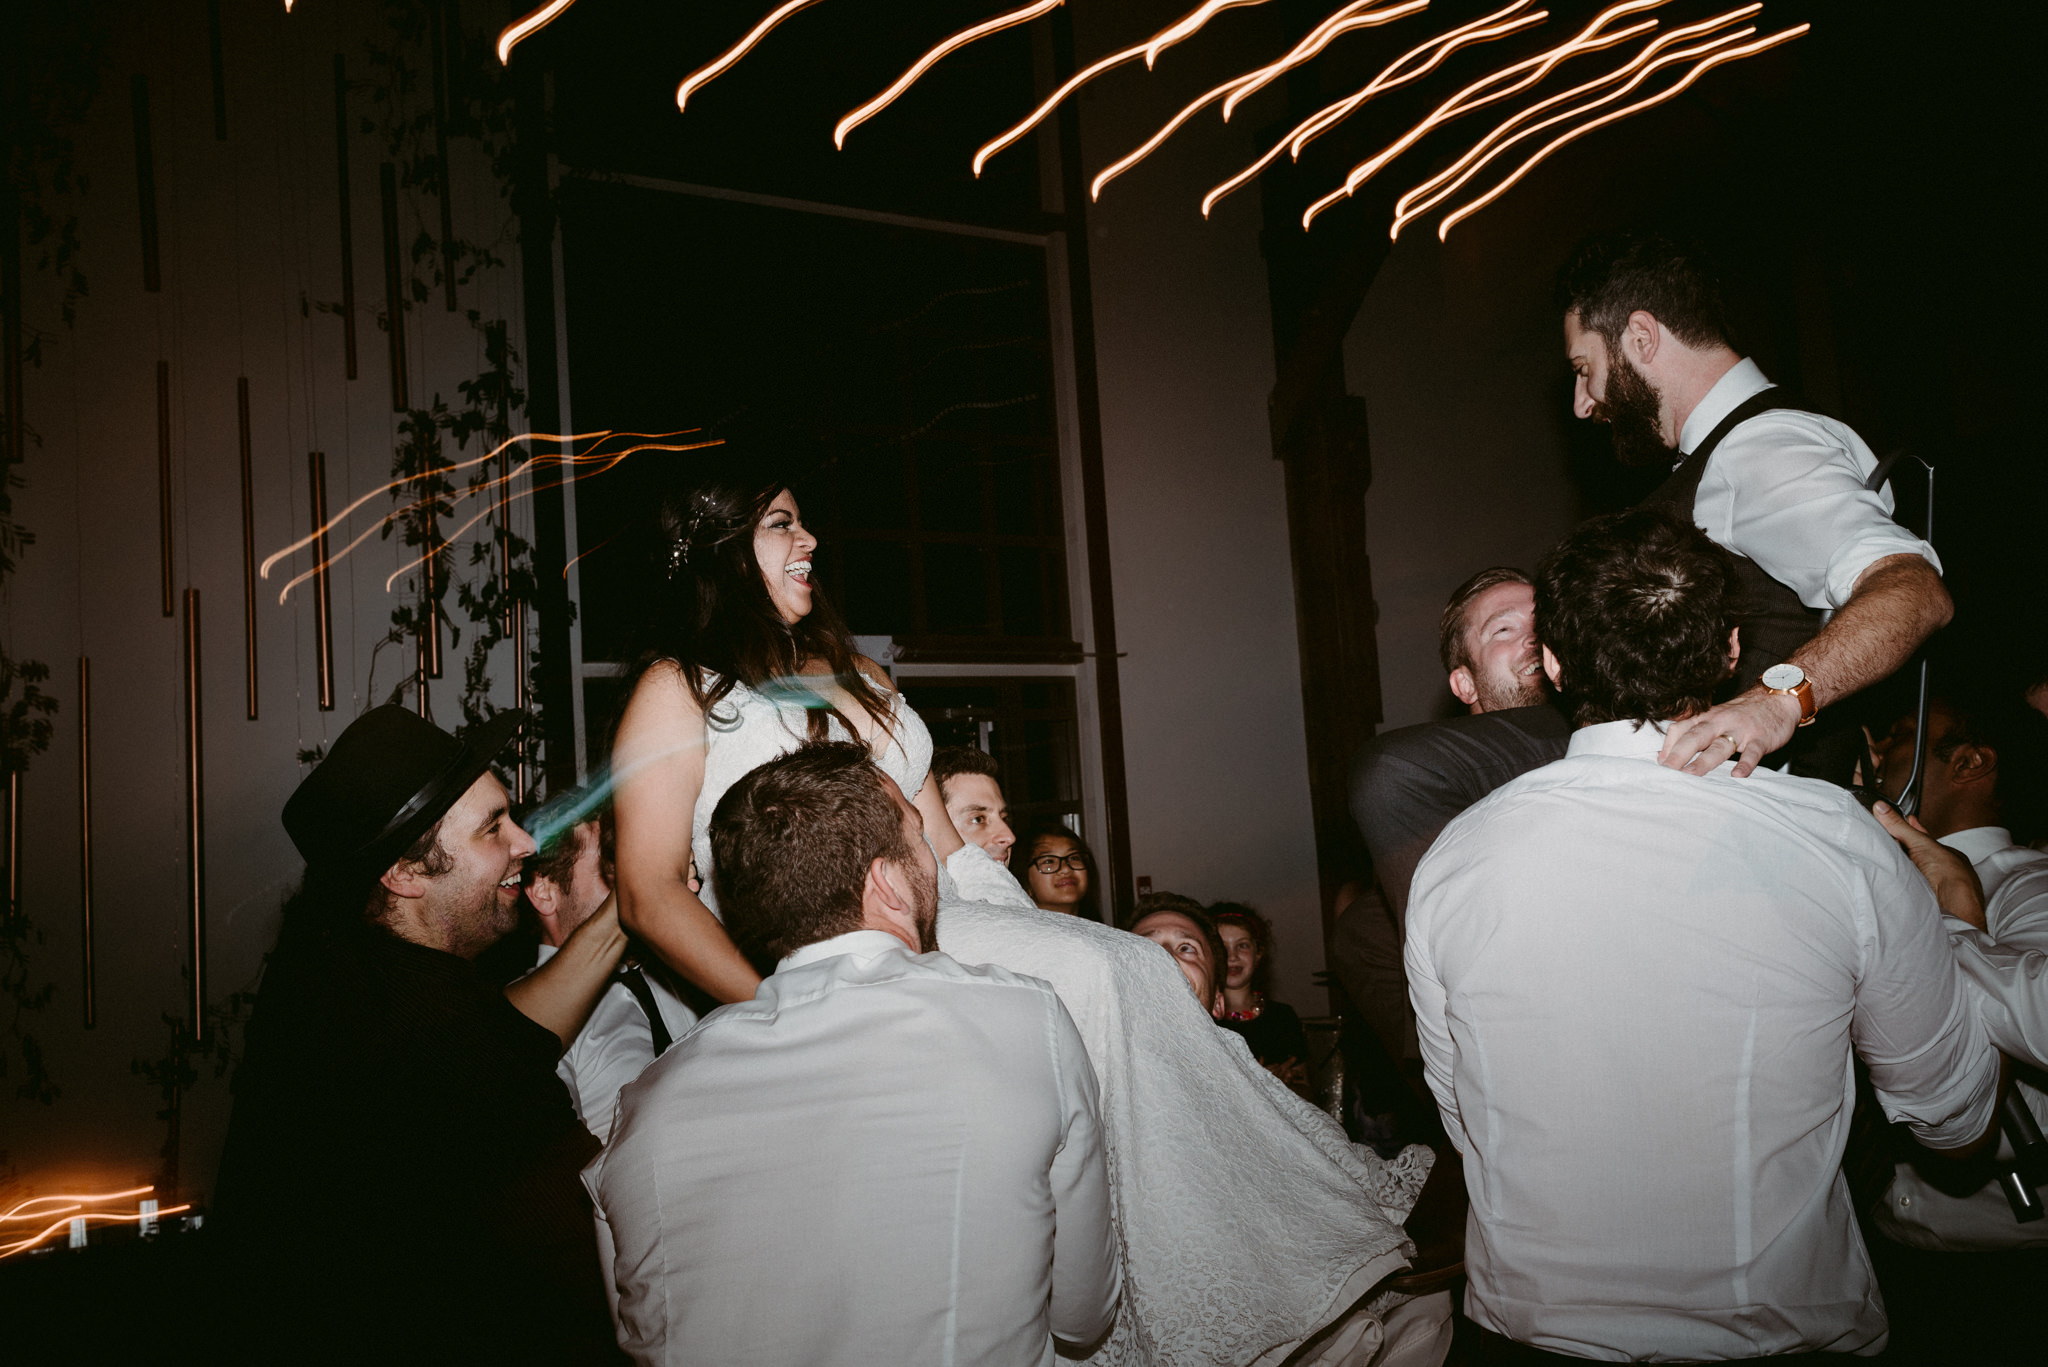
[1730,739]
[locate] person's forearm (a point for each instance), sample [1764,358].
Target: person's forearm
[1898,603]
[561,993]
[677,925]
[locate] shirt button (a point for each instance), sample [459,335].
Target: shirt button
[1905,1201]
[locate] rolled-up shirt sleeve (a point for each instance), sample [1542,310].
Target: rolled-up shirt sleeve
[1915,1024]
[1786,490]
[2008,974]
[1087,1271]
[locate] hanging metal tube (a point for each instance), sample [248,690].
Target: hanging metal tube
[195,818]
[248,543]
[13,843]
[394,285]
[163,481]
[85,834]
[519,692]
[419,674]
[323,609]
[348,256]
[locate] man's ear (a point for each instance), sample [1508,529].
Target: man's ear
[1641,338]
[1463,686]
[1972,764]
[1552,670]
[1734,647]
[546,897]
[887,903]
[1216,1007]
[404,880]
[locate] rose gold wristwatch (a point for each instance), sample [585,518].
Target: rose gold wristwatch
[1792,679]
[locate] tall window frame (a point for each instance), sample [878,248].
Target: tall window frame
[959,659]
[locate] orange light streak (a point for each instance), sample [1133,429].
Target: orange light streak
[705,75]
[76,1200]
[1394,75]
[342,516]
[1428,195]
[1532,70]
[1725,55]
[930,59]
[614,458]
[1185,27]
[9,1250]
[1343,21]
[1479,31]
[1237,88]
[521,28]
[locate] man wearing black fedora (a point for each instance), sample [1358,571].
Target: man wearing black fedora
[400,1176]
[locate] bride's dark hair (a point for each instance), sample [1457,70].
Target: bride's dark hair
[711,613]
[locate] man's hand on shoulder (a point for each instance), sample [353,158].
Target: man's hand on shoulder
[1745,728]
[1957,889]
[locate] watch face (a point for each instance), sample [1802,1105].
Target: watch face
[1784,676]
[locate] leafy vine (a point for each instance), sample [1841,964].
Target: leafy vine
[489,584]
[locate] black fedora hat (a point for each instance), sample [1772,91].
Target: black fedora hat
[388,778]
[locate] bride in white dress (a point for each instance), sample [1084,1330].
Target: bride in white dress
[745,661]
[1248,1223]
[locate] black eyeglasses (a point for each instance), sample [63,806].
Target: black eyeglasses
[1050,863]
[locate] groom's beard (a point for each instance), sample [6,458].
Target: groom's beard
[927,892]
[1630,412]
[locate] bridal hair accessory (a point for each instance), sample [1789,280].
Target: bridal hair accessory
[679,549]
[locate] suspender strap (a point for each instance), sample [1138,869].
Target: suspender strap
[634,981]
[1763,401]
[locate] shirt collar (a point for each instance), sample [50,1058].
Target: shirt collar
[1628,738]
[1745,379]
[1978,843]
[546,952]
[861,944]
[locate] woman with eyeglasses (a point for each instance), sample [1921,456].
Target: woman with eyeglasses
[1056,870]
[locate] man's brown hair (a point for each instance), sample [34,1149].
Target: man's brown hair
[1450,632]
[951,761]
[791,844]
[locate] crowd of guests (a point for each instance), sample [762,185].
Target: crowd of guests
[817,1061]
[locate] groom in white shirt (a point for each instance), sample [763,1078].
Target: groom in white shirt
[885,1157]
[1637,992]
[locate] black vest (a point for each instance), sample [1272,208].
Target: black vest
[1773,621]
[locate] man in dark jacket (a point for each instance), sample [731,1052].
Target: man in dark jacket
[400,1178]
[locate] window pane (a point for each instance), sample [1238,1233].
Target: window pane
[956,590]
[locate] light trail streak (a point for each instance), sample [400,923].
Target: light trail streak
[9,1250]
[76,1202]
[596,453]
[1185,27]
[930,59]
[1725,55]
[521,28]
[1482,92]
[1394,75]
[1482,31]
[1428,195]
[1237,88]
[1343,21]
[705,75]
[342,516]
[612,457]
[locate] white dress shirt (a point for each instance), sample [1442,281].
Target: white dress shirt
[1786,490]
[2006,967]
[882,1159]
[615,1045]
[1636,992]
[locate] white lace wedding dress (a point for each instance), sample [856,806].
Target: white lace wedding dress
[1249,1223]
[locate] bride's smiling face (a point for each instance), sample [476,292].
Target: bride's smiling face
[782,548]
